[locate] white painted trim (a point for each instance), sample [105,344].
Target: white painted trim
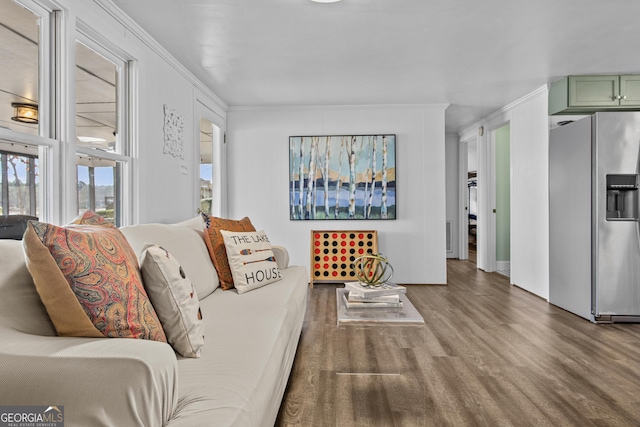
[219,178]
[92,152]
[45,200]
[88,36]
[9,136]
[124,19]
[219,115]
[449,236]
[503,265]
[490,211]
[463,202]
[66,184]
[483,202]
[335,107]
[131,111]
[464,134]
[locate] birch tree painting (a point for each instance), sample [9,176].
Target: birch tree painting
[342,177]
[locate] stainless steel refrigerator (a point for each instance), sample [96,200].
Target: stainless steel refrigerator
[594,239]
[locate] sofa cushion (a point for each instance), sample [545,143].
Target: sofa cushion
[185,241]
[215,244]
[88,279]
[251,259]
[244,386]
[174,299]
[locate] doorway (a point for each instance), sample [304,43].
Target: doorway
[210,187]
[468,200]
[472,197]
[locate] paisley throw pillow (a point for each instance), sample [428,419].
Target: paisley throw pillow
[88,279]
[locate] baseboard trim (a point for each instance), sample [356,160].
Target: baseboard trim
[503,265]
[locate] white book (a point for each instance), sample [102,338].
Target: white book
[354,304]
[367,292]
[353,297]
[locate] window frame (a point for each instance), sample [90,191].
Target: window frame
[45,141]
[30,182]
[126,209]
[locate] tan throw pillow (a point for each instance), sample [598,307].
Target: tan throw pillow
[215,244]
[174,299]
[88,279]
[251,259]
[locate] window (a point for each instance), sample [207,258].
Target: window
[19,182]
[101,147]
[96,100]
[36,142]
[25,137]
[19,49]
[97,187]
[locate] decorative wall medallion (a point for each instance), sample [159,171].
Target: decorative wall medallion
[173,133]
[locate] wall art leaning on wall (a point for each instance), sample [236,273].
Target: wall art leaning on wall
[342,177]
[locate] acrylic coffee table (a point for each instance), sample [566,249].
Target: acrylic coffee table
[406,314]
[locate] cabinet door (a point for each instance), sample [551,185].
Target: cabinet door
[630,90]
[594,91]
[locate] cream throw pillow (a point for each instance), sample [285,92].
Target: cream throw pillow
[251,259]
[174,299]
[186,243]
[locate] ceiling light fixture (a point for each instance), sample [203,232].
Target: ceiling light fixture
[326,1]
[25,113]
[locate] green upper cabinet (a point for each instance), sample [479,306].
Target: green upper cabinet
[630,90]
[586,94]
[594,91]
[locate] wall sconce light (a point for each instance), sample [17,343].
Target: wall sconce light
[25,113]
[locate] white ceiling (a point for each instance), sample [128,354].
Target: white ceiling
[478,56]
[475,56]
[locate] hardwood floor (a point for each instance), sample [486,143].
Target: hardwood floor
[489,354]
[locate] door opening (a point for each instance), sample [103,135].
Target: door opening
[472,217]
[210,168]
[468,200]
[472,199]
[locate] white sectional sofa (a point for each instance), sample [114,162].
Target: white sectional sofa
[239,380]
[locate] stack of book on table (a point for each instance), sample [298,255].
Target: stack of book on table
[385,295]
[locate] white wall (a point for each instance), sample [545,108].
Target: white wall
[258,174]
[472,156]
[529,189]
[530,195]
[452,152]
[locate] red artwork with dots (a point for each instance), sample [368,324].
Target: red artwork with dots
[333,253]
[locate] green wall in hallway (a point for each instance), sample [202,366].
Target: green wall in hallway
[503,198]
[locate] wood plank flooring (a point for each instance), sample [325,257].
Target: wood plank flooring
[489,354]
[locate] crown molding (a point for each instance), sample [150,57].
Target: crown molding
[472,129]
[135,29]
[335,107]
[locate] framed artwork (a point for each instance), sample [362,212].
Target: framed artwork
[342,177]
